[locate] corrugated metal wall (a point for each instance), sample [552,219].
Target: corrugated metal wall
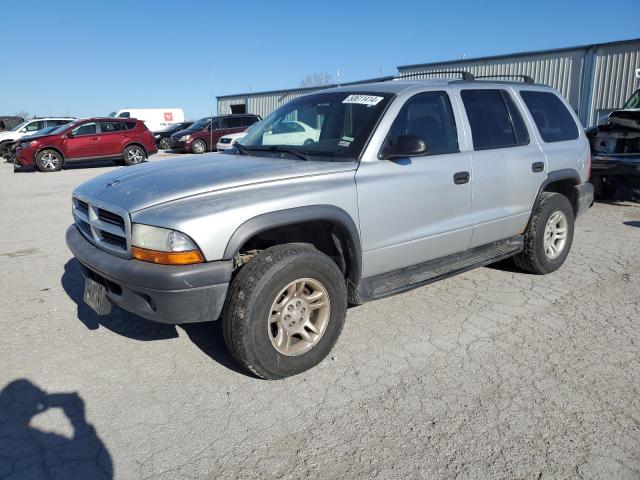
[614,78]
[562,70]
[595,79]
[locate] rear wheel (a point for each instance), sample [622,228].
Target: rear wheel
[198,146]
[133,155]
[285,311]
[548,238]
[165,143]
[49,161]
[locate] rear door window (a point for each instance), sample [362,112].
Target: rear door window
[110,127]
[233,122]
[494,119]
[429,116]
[248,121]
[130,125]
[551,116]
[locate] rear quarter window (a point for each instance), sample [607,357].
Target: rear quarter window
[551,116]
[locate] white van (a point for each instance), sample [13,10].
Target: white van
[154,118]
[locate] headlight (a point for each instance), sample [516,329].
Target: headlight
[32,143]
[157,135]
[161,245]
[184,138]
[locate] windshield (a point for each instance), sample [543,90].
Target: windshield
[335,125]
[200,124]
[634,101]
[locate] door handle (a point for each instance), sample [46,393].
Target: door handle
[537,166]
[461,177]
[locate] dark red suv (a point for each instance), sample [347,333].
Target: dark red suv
[204,134]
[125,141]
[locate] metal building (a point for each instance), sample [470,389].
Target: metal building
[594,78]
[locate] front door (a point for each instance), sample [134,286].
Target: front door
[417,209]
[508,168]
[84,142]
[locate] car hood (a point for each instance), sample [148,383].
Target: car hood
[150,184]
[8,134]
[35,137]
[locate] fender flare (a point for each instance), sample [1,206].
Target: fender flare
[556,175]
[292,216]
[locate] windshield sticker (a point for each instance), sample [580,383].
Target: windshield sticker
[344,143]
[363,99]
[347,139]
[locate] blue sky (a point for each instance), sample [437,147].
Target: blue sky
[90,58]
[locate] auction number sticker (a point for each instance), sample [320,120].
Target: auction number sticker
[363,99]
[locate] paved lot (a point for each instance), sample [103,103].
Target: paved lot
[491,374]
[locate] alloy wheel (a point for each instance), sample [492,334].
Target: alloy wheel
[299,317]
[49,161]
[135,155]
[555,234]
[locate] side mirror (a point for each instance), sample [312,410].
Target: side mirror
[70,134]
[404,146]
[23,130]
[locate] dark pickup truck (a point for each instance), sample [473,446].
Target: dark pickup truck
[615,147]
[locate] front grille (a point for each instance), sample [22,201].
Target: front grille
[106,227]
[110,217]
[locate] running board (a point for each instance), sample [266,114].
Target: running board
[414,276]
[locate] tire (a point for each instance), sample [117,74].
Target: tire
[604,188]
[198,146]
[164,143]
[308,141]
[133,155]
[49,161]
[260,288]
[542,255]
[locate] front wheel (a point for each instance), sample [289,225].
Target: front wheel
[133,155]
[49,161]
[198,146]
[285,311]
[549,236]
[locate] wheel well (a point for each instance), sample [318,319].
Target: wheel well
[565,187]
[329,237]
[137,145]
[58,151]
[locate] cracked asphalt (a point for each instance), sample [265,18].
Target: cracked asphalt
[490,374]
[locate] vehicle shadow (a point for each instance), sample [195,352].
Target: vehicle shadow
[89,164]
[206,336]
[29,453]
[632,223]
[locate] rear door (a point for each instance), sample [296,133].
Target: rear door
[417,209]
[111,137]
[508,167]
[218,129]
[84,142]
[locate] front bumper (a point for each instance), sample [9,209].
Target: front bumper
[584,198]
[615,165]
[180,146]
[162,293]
[25,157]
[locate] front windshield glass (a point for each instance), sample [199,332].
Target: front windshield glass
[200,124]
[333,125]
[634,101]
[19,126]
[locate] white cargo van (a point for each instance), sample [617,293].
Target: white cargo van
[154,118]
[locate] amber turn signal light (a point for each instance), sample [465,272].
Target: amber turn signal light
[167,258]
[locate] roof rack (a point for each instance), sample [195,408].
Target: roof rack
[525,78]
[465,75]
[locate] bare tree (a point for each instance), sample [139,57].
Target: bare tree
[22,114]
[315,80]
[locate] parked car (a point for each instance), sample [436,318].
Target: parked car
[291,133]
[408,182]
[25,128]
[228,141]
[125,141]
[154,118]
[205,133]
[615,146]
[163,136]
[8,122]
[11,150]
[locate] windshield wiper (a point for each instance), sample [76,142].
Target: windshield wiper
[277,148]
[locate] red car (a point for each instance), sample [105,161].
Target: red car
[126,141]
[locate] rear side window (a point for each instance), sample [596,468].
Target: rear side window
[130,125]
[110,127]
[248,121]
[233,122]
[494,119]
[429,116]
[552,118]
[53,123]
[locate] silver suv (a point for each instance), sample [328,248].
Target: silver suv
[335,199]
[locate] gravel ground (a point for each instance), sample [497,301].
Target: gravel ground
[490,374]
